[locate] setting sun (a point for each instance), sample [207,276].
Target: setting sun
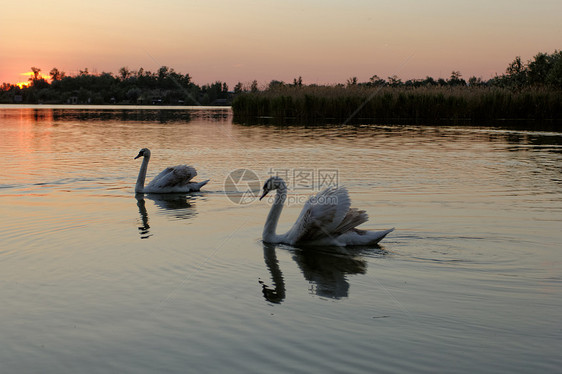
[22,84]
[30,75]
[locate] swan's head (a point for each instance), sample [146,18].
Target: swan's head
[145,152]
[273,183]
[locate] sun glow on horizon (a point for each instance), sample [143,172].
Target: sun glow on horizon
[29,80]
[324,42]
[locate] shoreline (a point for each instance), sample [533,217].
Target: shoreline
[113,107]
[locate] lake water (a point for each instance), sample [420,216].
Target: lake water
[96,280]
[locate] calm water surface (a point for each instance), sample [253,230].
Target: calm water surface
[97,280]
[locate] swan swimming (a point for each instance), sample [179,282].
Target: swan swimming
[327,219]
[173,179]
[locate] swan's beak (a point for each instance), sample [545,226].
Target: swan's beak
[139,155]
[265,192]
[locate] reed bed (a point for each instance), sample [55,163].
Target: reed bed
[358,103]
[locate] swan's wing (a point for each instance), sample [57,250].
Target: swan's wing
[322,216]
[173,176]
[363,237]
[184,173]
[352,219]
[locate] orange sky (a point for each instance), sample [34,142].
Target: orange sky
[324,41]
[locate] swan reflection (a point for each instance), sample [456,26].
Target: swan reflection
[325,269]
[177,206]
[277,293]
[144,230]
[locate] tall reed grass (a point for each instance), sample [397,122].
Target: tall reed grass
[358,103]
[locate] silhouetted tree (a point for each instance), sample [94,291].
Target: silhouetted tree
[376,81]
[352,81]
[539,68]
[37,81]
[275,84]
[516,74]
[254,86]
[554,76]
[429,81]
[516,67]
[456,80]
[124,73]
[475,82]
[162,74]
[394,81]
[56,74]
[35,73]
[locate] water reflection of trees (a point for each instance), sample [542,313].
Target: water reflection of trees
[177,206]
[325,269]
[140,115]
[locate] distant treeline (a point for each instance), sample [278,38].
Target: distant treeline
[531,90]
[127,87]
[527,90]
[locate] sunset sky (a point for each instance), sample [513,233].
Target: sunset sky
[324,41]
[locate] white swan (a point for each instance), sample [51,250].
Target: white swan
[326,220]
[174,179]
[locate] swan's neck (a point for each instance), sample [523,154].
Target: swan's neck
[142,174]
[269,235]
